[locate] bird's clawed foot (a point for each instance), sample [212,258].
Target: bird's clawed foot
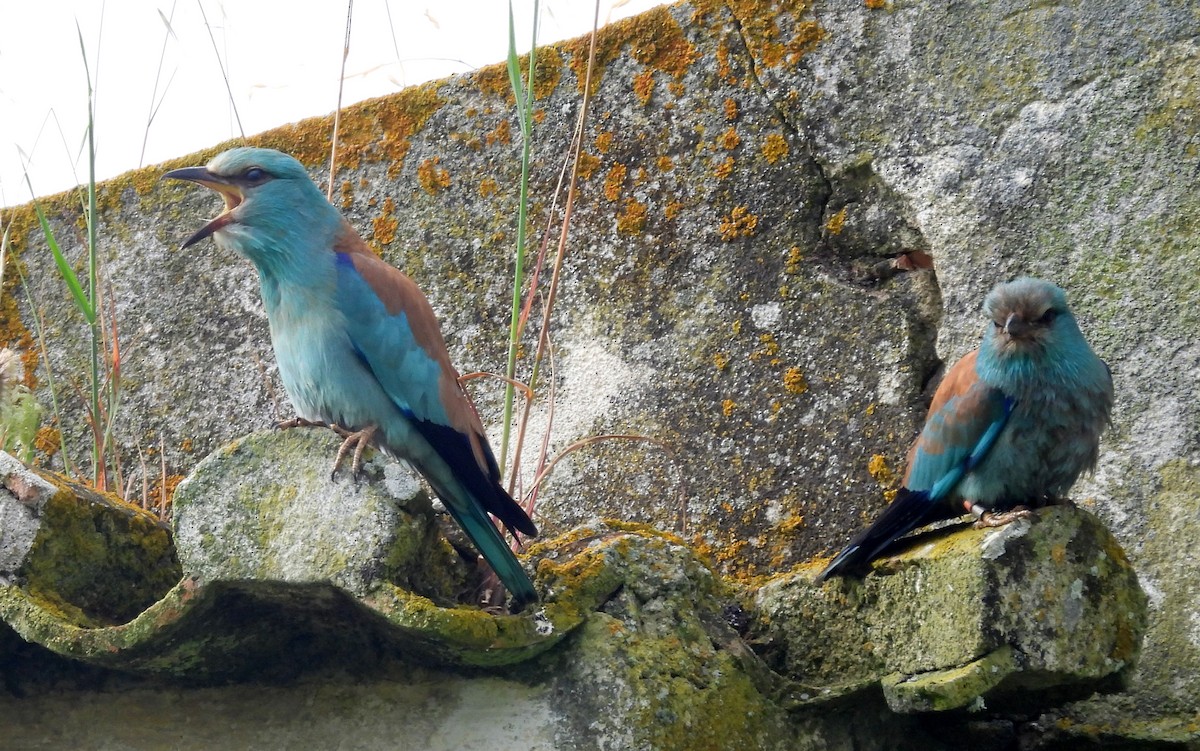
[299,422]
[989,519]
[359,440]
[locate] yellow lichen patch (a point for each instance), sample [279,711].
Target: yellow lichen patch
[432,178]
[774,148]
[494,79]
[502,134]
[347,194]
[47,441]
[768,347]
[759,21]
[614,181]
[794,259]
[792,524]
[731,110]
[672,209]
[721,360]
[539,116]
[724,69]
[836,222]
[588,163]
[877,467]
[727,407]
[632,218]
[729,140]
[604,142]
[875,4]
[400,117]
[654,39]
[488,187]
[724,169]
[665,163]
[739,223]
[643,86]
[794,381]
[385,224]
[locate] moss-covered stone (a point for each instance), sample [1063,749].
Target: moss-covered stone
[90,558]
[1034,611]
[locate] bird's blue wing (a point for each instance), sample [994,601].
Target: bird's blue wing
[396,336]
[964,421]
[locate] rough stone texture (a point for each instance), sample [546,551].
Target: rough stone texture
[284,521]
[1014,615]
[636,642]
[751,168]
[92,559]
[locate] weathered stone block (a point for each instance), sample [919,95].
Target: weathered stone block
[1034,611]
[90,557]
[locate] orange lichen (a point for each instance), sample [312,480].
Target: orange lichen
[731,110]
[385,224]
[47,441]
[739,223]
[604,142]
[672,209]
[724,169]
[643,86]
[875,4]
[836,222]
[432,178]
[724,69]
[794,381]
[347,194]
[665,163]
[877,467]
[488,187]
[588,163]
[502,133]
[494,79]
[768,347]
[632,219]
[794,258]
[759,21]
[654,39]
[727,407]
[613,182]
[721,360]
[729,140]
[774,148]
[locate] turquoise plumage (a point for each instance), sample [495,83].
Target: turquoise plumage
[358,344]
[1013,424]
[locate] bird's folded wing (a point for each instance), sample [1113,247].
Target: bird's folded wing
[964,421]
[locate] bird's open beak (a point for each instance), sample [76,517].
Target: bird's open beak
[231,193]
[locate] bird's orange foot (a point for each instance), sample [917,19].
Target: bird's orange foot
[299,422]
[999,518]
[359,440]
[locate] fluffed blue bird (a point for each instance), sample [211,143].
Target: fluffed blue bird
[1013,424]
[358,345]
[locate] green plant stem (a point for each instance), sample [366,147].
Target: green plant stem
[523,94]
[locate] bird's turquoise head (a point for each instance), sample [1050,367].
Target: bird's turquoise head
[1029,319]
[270,203]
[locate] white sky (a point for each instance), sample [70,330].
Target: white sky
[283,60]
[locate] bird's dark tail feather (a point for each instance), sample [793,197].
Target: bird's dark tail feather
[908,511]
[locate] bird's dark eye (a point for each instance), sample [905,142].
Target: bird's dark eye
[1048,317]
[254,174]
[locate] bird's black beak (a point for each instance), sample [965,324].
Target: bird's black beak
[231,193]
[1016,326]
